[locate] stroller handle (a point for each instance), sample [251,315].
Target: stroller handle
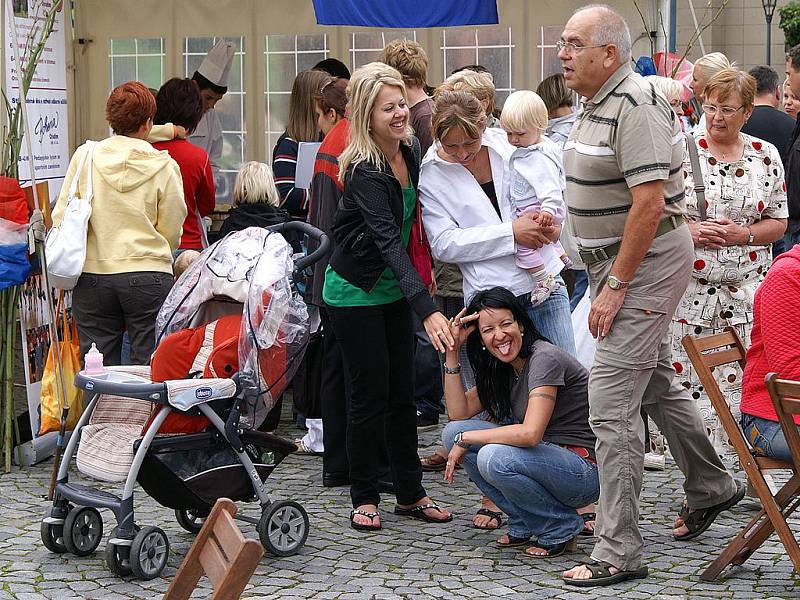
[316,234]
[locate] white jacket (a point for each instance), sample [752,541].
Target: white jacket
[463,227]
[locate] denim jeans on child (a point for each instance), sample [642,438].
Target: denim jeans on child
[766,437]
[539,488]
[552,318]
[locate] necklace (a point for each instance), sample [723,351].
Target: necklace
[729,154]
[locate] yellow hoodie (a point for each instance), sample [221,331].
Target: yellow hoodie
[137,208]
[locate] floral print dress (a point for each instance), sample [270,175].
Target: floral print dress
[724,281]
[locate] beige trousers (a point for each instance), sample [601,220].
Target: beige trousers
[633,368]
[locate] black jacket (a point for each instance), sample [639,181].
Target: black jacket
[792,175]
[367,230]
[259,214]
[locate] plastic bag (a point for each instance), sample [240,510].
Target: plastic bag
[584,342]
[51,384]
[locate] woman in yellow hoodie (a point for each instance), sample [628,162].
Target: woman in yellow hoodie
[137,215]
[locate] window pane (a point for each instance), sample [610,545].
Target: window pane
[225,182]
[123,46]
[454,59]
[550,62]
[235,80]
[123,69]
[192,63]
[459,37]
[551,34]
[496,60]
[277,112]
[150,71]
[399,34]
[368,39]
[493,36]
[311,42]
[282,71]
[500,98]
[199,44]
[280,43]
[149,46]
[230,112]
[364,57]
[307,60]
[232,152]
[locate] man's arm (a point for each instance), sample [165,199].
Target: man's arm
[640,229]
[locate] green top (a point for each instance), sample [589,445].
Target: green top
[340,292]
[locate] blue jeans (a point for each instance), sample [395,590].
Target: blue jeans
[766,437]
[790,239]
[428,389]
[539,488]
[552,318]
[581,285]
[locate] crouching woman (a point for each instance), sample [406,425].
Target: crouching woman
[522,434]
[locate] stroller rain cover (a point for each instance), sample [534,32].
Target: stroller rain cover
[250,272]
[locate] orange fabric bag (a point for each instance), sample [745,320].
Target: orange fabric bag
[51,393]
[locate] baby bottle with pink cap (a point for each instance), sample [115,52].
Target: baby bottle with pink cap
[93,362]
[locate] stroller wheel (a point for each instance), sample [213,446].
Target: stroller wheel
[83,530]
[53,537]
[191,519]
[149,553]
[118,557]
[283,528]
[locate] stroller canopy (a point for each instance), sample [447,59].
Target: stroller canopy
[249,273]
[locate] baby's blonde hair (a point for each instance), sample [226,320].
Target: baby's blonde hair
[524,110]
[255,184]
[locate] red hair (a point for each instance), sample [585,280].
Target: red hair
[129,107]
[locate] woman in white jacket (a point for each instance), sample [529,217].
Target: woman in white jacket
[469,221]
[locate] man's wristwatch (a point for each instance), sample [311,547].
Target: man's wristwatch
[616,284]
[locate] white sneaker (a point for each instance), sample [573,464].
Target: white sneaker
[654,462]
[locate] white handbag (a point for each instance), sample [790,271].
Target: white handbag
[65,244]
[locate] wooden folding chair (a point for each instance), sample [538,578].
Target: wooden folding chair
[709,352]
[222,552]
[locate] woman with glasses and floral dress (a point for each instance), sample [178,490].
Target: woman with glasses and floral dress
[743,213]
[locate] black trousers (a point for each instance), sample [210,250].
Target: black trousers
[106,305]
[377,344]
[335,402]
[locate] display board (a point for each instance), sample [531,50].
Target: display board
[47,97]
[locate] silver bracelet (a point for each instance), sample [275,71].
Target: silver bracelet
[452,370]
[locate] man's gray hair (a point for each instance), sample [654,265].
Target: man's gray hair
[612,29]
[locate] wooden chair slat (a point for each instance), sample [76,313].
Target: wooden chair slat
[228,535]
[213,561]
[222,552]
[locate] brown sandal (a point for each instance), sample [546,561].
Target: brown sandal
[495,517]
[433,462]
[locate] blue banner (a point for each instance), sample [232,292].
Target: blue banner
[406,14]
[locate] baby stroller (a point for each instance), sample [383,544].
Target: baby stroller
[239,301]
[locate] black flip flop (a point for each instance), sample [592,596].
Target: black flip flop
[494,515]
[601,575]
[587,531]
[513,541]
[418,512]
[701,519]
[361,526]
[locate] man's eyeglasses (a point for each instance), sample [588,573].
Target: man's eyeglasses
[726,111]
[571,48]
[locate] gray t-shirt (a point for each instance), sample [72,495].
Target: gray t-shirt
[549,365]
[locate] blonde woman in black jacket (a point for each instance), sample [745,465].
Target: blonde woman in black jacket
[371,287]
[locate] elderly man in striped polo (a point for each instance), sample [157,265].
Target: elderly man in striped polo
[623,162]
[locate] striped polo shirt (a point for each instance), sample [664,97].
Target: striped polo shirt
[625,135]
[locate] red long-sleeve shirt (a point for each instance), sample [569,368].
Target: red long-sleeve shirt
[775,338]
[198,187]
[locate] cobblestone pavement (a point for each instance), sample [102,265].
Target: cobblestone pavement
[407,559]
